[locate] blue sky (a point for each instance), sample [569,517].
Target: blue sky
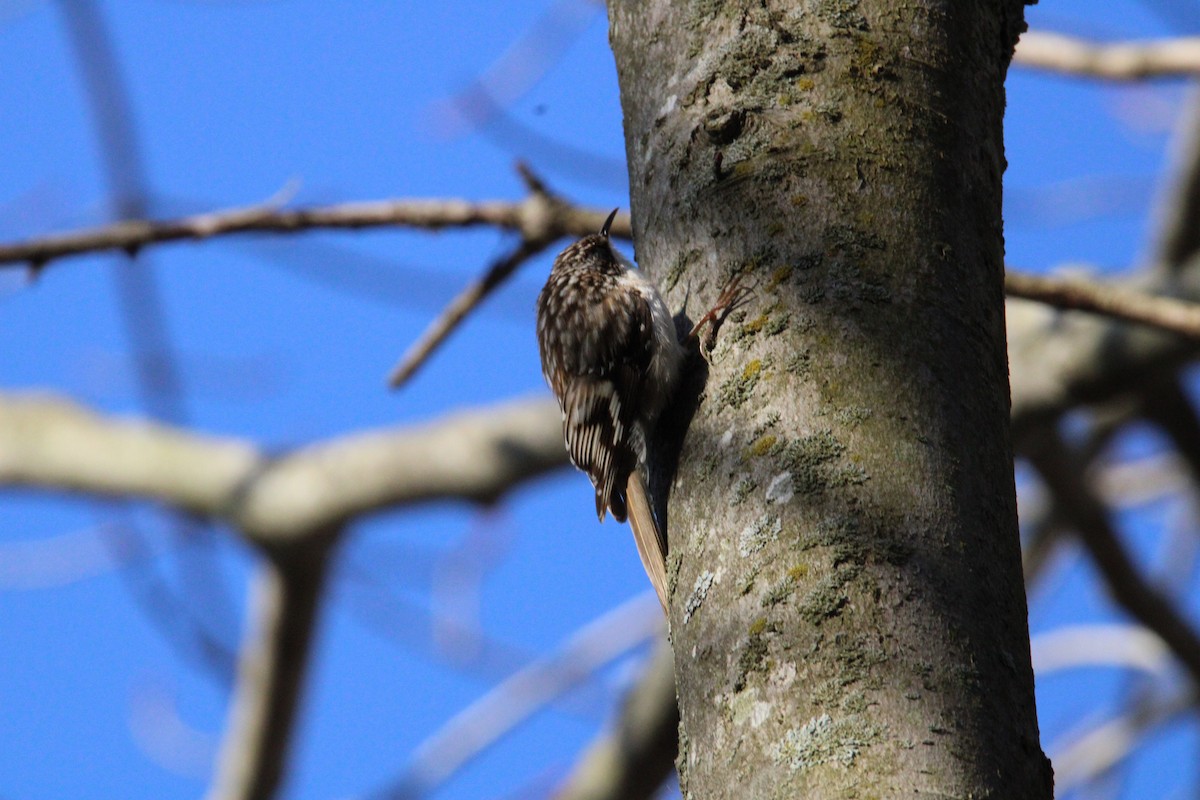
[288,340]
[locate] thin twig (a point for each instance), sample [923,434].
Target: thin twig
[1121,61]
[458,309]
[543,209]
[1165,313]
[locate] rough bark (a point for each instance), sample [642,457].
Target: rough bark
[847,616]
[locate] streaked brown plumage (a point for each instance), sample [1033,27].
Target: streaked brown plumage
[610,354]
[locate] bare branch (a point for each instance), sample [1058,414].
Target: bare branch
[1127,585]
[533,218]
[1122,61]
[50,443]
[283,612]
[1165,313]
[159,381]
[632,761]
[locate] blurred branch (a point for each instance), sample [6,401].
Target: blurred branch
[159,380]
[632,761]
[515,699]
[54,561]
[1121,61]
[161,733]
[1041,545]
[1041,513]
[1143,480]
[111,109]
[1125,646]
[1108,744]
[50,443]
[1118,302]
[177,621]
[283,612]
[537,218]
[1177,240]
[1167,406]
[1059,362]
[1129,588]
[409,624]
[1122,486]
[518,69]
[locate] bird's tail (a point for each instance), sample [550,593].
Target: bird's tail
[651,544]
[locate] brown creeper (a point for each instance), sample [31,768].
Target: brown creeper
[611,356]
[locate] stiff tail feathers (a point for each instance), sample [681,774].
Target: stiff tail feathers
[651,544]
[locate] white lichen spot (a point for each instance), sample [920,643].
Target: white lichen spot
[726,438]
[668,106]
[819,741]
[757,534]
[781,489]
[699,591]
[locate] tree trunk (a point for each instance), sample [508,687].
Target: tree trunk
[847,616]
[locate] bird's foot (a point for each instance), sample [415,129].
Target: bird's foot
[732,297]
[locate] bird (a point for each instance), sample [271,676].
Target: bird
[611,356]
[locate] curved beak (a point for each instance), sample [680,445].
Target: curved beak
[608,223]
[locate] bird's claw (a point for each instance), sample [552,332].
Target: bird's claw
[733,296]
